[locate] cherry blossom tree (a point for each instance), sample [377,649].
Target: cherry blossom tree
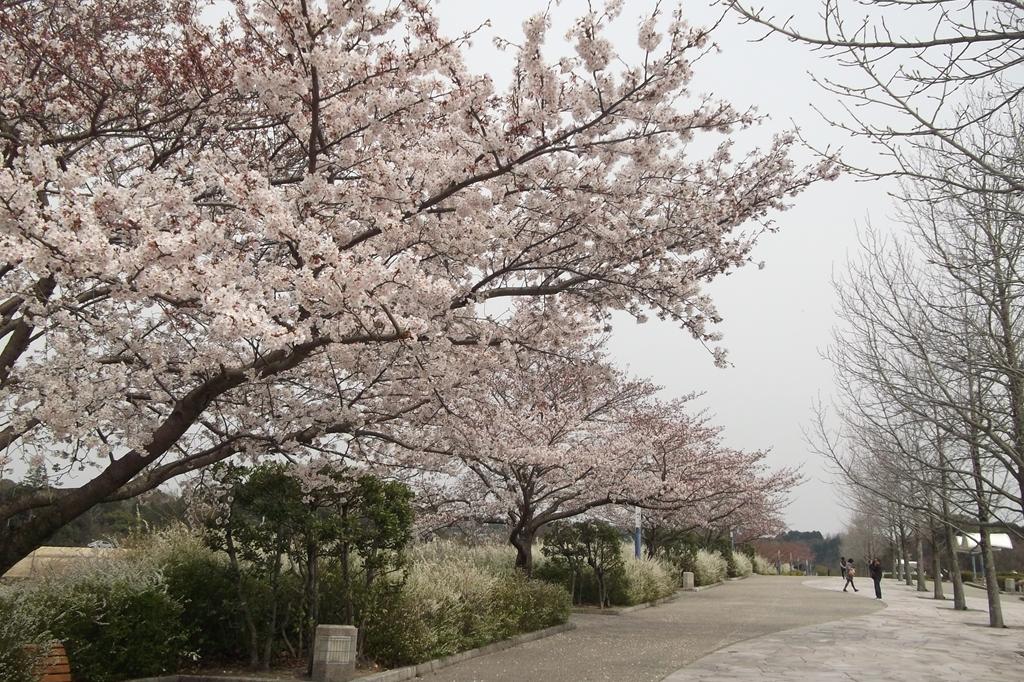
[560,436]
[203,224]
[546,440]
[702,483]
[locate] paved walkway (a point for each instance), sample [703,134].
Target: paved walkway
[649,644]
[915,638]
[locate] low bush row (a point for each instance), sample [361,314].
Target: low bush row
[583,558]
[116,618]
[456,598]
[173,604]
[595,566]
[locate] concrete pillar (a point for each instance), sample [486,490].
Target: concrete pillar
[1011,585]
[687,580]
[334,653]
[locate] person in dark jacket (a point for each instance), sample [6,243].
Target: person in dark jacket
[842,567]
[876,576]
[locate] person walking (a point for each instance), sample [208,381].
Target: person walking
[875,568]
[842,567]
[850,573]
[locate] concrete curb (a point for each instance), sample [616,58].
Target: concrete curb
[394,675]
[210,678]
[705,587]
[656,602]
[409,672]
[620,610]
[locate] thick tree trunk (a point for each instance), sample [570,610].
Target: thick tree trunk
[922,586]
[959,600]
[995,607]
[937,591]
[522,538]
[905,552]
[17,542]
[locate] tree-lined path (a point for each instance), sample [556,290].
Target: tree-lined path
[650,644]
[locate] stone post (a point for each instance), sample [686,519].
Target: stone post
[1011,585]
[687,580]
[334,653]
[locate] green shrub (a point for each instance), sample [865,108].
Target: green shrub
[200,581]
[731,569]
[709,568]
[456,598]
[558,573]
[208,596]
[585,585]
[116,620]
[742,565]
[646,579]
[684,558]
[22,641]
[633,581]
[545,605]
[762,566]
[392,634]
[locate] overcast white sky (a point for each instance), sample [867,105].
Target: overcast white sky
[777,320]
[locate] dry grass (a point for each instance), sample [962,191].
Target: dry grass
[54,560]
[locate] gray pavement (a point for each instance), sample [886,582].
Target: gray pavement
[649,644]
[914,638]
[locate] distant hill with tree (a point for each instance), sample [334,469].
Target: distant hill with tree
[797,546]
[112,521]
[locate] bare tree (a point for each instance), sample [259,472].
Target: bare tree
[917,69]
